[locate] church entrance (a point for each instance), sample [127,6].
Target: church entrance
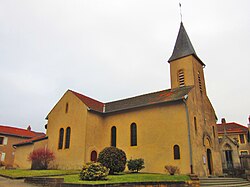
[209,161]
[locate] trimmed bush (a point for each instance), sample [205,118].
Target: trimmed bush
[41,158]
[113,158]
[172,169]
[94,171]
[135,165]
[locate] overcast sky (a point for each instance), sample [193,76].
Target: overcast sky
[114,49]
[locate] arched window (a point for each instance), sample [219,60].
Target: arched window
[133,134]
[93,156]
[181,78]
[67,141]
[176,152]
[60,143]
[113,136]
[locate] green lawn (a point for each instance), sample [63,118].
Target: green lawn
[20,173]
[125,178]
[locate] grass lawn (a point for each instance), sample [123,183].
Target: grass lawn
[125,178]
[20,173]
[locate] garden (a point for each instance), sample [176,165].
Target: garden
[108,169]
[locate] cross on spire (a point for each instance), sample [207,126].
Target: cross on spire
[180,10]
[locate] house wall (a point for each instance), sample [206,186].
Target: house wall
[22,153]
[236,137]
[7,150]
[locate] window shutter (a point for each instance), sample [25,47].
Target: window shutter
[5,140]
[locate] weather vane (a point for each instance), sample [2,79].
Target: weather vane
[180,10]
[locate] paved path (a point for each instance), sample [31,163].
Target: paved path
[4,182]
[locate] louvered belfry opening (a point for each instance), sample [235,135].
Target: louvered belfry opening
[181,78]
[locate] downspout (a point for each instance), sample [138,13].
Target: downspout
[189,134]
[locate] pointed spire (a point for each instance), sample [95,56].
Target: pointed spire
[183,46]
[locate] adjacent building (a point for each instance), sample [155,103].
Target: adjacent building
[234,142]
[10,136]
[24,148]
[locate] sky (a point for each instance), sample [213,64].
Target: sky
[115,49]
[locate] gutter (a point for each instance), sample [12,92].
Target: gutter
[184,99]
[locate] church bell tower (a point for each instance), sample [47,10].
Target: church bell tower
[186,68]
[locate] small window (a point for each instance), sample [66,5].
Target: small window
[133,134]
[113,136]
[195,125]
[242,139]
[181,78]
[245,152]
[199,80]
[1,140]
[176,152]
[61,133]
[67,108]
[67,141]
[213,131]
[93,156]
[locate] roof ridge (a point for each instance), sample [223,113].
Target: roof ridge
[232,123]
[18,128]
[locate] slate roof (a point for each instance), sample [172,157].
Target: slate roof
[135,102]
[183,46]
[13,131]
[231,128]
[31,140]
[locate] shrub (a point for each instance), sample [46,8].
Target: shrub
[113,158]
[136,165]
[41,158]
[94,171]
[172,169]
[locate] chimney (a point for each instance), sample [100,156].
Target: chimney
[29,128]
[223,120]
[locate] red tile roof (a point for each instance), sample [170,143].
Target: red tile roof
[13,131]
[31,140]
[231,128]
[91,103]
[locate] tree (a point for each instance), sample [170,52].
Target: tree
[41,158]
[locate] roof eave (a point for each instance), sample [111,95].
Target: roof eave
[194,55]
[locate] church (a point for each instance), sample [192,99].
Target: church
[175,126]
